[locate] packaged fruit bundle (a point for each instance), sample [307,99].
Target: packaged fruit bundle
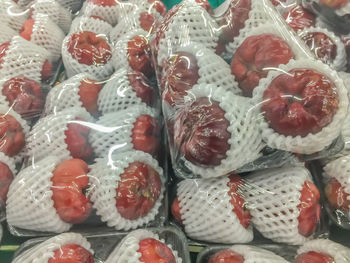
[282,204]
[166,245]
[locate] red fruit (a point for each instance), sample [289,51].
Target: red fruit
[146,134]
[6,178]
[314,257]
[176,210]
[147,22]
[71,253]
[68,182]
[24,95]
[138,190]
[77,140]
[323,47]
[256,54]
[88,93]
[237,200]
[141,86]
[139,55]
[89,49]
[27,29]
[200,132]
[159,6]
[336,195]
[46,70]
[226,256]
[334,3]
[309,208]
[300,102]
[103,2]
[154,251]
[11,135]
[180,75]
[3,48]
[299,18]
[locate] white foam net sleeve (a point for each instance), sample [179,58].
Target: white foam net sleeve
[276,192]
[340,253]
[113,131]
[91,24]
[253,254]
[127,249]
[23,58]
[128,7]
[47,136]
[190,22]
[73,67]
[105,176]
[245,142]
[10,162]
[12,15]
[71,5]
[108,13]
[7,33]
[206,212]
[312,142]
[65,95]
[29,202]
[45,251]
[58,14]
[48,35]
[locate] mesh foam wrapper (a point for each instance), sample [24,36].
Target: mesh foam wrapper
[23,3]
[48,35]
[58,14]
[71,5]
[192,23]
[127,249]
[7,33]
[345,10]
[120,53]
[10,162]
[73,67]
[339,62]
[113,131]
[125,8]
[105,176]
[312,142]
[338,252]
[108,13]
[16,18]
[29,202]
[23,58]
[45,251]
[65,95]
[253,254]
[245,142]
[277,192]
[91,24]
[47,136]
[117,94]
[206,212]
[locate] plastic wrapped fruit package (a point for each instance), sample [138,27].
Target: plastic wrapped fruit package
[87,52]
[92,24]
[128,189]
[12,15]
[105,9]
[297,17]
[323,250]
[71,247]
[64,202]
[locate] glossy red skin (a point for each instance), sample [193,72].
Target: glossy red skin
[141,86]
[200,132]
[138,190]
[68,182]
[72,253]
[254,55]
[11,135]
[314,257]
[88,93]
[89,49]
[46,70]
[103,2]
[139,55]
[176,210]
[27,29]
[3,48]
[154,251]
[300,102]
[6,178]
[159,6]
[334,3]
[237,200]
[226,256]
[146,134]
[309,209]
[336,195]
[148,22]
[180,75]
[77,140]
[322,46]
[25,96]
[299,18]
